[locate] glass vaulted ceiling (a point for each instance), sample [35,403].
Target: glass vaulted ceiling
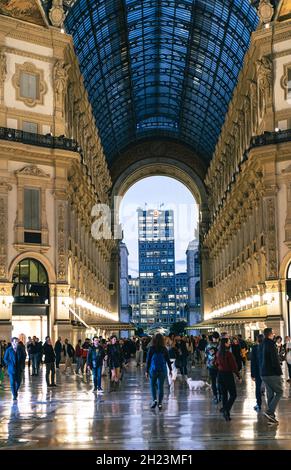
[160,67]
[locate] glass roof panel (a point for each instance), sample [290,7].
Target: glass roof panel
[160,67]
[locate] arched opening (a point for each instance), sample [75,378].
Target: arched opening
[31,295]
[158,226]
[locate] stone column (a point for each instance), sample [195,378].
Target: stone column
[5,286]
[287,240]
[271,237]
[124,302]
[61,314]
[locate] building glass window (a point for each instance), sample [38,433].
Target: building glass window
[31,209]
[289,83]
[30,282]
[29,85]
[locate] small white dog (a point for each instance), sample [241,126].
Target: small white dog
[197,384]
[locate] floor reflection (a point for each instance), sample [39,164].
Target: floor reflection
[72,417]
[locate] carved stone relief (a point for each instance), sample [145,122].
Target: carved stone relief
[271,244]
[4,188]
[62,255]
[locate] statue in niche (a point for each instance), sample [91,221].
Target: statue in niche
[60,79]
[265,78]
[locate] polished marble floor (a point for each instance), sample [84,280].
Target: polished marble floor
[72,417]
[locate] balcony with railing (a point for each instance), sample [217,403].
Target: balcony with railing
[49,141]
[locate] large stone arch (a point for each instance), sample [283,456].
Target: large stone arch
[159,158]
[162,158]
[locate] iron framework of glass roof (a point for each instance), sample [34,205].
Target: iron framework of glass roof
[160,67]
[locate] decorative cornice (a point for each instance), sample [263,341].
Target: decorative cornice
[31,55]
[32,170]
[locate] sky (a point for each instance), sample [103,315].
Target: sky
[154,191]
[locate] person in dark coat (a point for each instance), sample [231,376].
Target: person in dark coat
[58,351]
[34,356]
[271,374]
[49,360]
[69,352]
[39,346]
[227,366]
[95,359]
[256,369]
[236,351]
[182,355]
[115,359]
[14,358]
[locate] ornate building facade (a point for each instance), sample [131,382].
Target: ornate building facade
[247,246]
[48,186]
[86,113]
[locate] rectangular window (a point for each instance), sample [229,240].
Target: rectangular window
[32,209]
[29,85]
[29,127]
[289,84]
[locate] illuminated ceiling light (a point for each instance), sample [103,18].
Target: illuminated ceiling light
[93,308]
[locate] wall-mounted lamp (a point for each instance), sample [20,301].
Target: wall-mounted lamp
[67,301]
[7,300]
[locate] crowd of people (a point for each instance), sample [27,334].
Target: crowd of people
[224,357]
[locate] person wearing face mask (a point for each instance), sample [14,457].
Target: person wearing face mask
[271,374]
[227,366]
[14,358]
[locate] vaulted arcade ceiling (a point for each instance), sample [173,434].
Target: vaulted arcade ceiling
[160,67]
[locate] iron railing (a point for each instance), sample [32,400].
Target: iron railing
[269,138]
[49,141]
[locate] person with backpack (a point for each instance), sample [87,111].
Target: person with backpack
[156,368]
[211,351]
[95,359]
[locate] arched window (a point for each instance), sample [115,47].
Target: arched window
[289,272]
[30,282]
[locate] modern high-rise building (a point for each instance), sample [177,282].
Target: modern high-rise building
[157,267]
[182,296]
[133,299]
[193,272]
